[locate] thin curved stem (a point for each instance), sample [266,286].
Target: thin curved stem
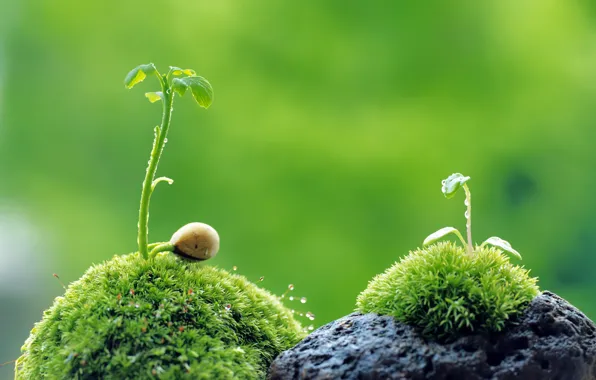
[153,245]
[163,247]
[469,217]
[158,144]
[461,238]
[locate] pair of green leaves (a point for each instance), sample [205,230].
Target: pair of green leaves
[186,79]
[494,240]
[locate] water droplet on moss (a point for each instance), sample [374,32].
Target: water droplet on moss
[291,286]
[303,300]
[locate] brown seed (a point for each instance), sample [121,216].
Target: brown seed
[196,241]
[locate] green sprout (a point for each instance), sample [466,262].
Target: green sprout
[450,187]
[177,80]
[167,317]
[447,290]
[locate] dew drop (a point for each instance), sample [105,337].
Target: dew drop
[310,316]
[291,298]
[311,328]
[303,300]
[165,140]
[228,307]
[467,202]
[467,214]
[234,268]
[261,278]
[293,311]
[291,286]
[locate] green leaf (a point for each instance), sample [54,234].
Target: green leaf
[178,71]
[154,96]
[138,74]
[200,87]
[441,233]
[500,243]
[179,86]
[452,184]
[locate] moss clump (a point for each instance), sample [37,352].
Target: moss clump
[167,318]
[446,292]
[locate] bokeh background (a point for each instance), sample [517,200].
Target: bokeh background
[321,159]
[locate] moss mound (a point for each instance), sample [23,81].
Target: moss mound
[130,318]
[446,292]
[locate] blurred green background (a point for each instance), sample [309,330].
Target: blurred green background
[321,159]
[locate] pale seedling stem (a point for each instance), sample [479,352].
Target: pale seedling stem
[468,203]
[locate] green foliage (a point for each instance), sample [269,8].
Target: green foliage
[437,235]
[199,86]
[445,291]
[500,243]
[138,74]
[168,318]
[201,89]
[453,183]
[154,96]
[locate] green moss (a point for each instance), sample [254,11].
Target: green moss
[164,318]
[445,291]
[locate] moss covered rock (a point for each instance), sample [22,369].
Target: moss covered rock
[164,318]
[446,292]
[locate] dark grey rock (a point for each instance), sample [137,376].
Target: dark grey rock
[552,340]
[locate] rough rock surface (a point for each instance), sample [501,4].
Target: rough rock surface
[553,340]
